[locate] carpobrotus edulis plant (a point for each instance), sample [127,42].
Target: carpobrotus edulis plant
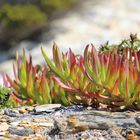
[110,76]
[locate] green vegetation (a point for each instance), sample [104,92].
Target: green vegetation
[19,21]
[105,77]
[133,43]
[4,97]
[33,84]
[56,4]
[13,16]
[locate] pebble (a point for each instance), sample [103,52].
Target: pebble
[15,123]
[11,113]
[29,108]
[4,126]
[22,111]
[47,108]
[45,124]
[131,135]
[89,108]
[138,119]
[20,131]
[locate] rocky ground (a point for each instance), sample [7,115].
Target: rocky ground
[54,122]
[91,21]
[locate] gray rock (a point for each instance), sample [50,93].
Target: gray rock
[46,108]
[73,124]
[20,131]
[138,119]
[11,113]
[91,135]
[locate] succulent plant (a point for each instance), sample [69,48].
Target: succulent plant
[110,77]
[33,84]
[30,85]
[70,74]
[115,73]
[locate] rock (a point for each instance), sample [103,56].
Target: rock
[38,137]
[3,133]
[45,124]
[89,135]
[46,108]
[72,123]
[2,119]
[61,123]
[112,134]
[1,112]
[89,108]
[25,123]
[131,135]
[15,123]
[20,131]
[22,111]
[11,113]
[85,125]
[4,126]
[29,108]
[80,128]
[3,138]
[54,131]
[138,119]
[42,119]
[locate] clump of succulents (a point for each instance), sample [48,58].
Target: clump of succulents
[105,77]
[33,84]
[70,74]
[108,77]
[116,75]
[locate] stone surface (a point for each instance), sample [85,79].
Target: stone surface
[74,122]
[4,126]
[20,131]
[46,108]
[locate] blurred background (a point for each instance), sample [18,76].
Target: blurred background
[31,24]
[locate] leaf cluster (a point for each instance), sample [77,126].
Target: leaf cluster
[107,77]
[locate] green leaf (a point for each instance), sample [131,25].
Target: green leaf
[52,67]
